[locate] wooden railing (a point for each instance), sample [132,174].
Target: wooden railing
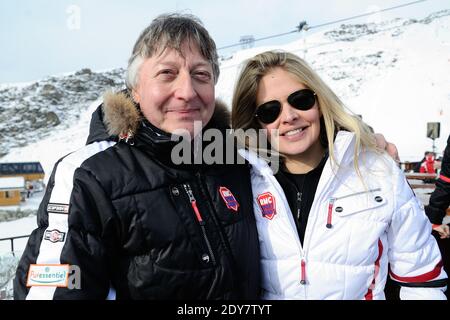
[427,180]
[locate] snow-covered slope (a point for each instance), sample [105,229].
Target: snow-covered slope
[47,119]
[53,146]
[396,74]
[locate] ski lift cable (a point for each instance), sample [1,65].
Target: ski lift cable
[366,14]
[260,39]
[327,23]
[315,46]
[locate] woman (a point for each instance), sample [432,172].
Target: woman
[339,210]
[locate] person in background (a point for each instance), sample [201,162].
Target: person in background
[339,210]
[428,165]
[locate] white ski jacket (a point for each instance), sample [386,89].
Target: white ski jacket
[353,232]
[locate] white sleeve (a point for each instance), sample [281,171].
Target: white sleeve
[415,260]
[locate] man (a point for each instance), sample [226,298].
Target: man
[428,165]
[120,219]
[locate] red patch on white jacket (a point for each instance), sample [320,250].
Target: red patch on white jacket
[266,202]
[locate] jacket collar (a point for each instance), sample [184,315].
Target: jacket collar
[119,118]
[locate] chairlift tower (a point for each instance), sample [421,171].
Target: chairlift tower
[247,41]
[302,28]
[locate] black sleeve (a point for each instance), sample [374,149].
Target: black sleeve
[440,198]
[81,238]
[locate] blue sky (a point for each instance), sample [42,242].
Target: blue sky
[50,37]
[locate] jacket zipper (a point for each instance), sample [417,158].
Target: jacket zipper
[330,212]
[318,198]
[357,193]
[303,272]
[299,203]
[302,261]
[224,241]
[333,200]
[200,220]
[280,191]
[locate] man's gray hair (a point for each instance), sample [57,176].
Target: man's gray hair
[171,31]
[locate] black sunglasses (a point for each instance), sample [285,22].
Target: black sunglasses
[303,99]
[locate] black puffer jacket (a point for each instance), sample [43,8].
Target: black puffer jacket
[132,227]
[440,198]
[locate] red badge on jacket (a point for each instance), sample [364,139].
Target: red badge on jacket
[267,204]
[229,198]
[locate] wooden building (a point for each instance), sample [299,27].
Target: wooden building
[10,190]
[30,171]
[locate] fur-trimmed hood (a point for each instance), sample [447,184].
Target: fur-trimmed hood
[118,117]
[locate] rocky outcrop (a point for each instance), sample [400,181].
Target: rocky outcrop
[31,112]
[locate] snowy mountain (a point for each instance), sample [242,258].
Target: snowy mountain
[394,73]
[31,112]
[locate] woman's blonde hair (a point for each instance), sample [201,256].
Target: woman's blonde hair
[334,114]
